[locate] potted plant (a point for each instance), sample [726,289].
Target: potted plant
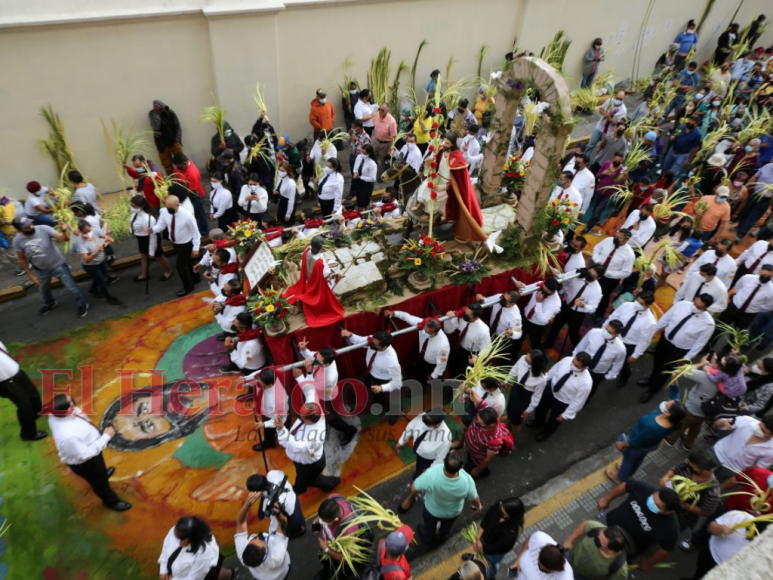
[366,228]
[514,176]
[270,310]
[559,216]
[422,258]
[244,234]
[470,271]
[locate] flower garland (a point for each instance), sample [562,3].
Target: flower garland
[514,174]
[469,271]
[424,256]
[244,234]
[269,307]
[560,215]
[366,228]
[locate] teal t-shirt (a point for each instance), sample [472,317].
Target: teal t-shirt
[445,495]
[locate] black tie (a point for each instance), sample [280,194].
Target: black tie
[418,441]
[698,292]
[524,378]
[679,326]
[597,357]
[561,382]
[483,398]
[629,325]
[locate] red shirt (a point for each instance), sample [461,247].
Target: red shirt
[741,502]
[191,177]
[479,442]
[148,190]
[402,561]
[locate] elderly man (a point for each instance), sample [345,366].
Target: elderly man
[612,111]
[384,134]
[185,237]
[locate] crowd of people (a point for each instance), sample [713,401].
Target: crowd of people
[607,304]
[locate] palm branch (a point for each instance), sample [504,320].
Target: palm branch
[215,114]
[481,55]
[415,66]
[378,77]
[483,366]
[259,100]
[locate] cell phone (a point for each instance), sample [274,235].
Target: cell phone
[512,572]
[316,527]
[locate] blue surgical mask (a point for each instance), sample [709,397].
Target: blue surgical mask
[653,507]
[425,334]
[721,199]
[617,102]
[749,148]
[770,481]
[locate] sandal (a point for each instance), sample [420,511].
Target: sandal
[139,279]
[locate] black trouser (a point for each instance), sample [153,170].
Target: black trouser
[741,271]
[310,475]
[334,420]
[225,220]
[422,465]
[95,472]
[548,402]
[20,390]
[256,217]
[421,370]
[535,332]
[458,361]
[326,205]
[572,319]
[597,379]
[281,212]
[625,372]
[733,316]
[387,399]
[519,401]
[98,273]
[665,355]
[608,285]
[184,265]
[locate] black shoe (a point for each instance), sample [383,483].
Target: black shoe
[36,437]
[48,308]
[532,424]
[621,382]
[230,369]
[646,397]
[643,382]
[183,292]
[138,279]
[114,302]
[110,471]
[542,436]
[111,281]
[121,506]
[96,293]
[83,311]
[263,446]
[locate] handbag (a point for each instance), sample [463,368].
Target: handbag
[719,404]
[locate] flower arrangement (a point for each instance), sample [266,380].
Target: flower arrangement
[423,257]
[514,174]
[469,271]
[244,234]
[269,307]
[560,215]
[366,228]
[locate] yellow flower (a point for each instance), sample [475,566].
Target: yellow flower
[260,304]
[404,247]
[370,222]
[359,225]
[507,167]
[247,233]
[270,308]
[566,221]
[417,262]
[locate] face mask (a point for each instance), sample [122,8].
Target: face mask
[466,317]
[720,253]
[639,307]
[721,199]
[643,217]
[328,170]
[228,133]
[694,309]
[616,242]
[758,430]
[171,210]
[653,507]
[352,91]
[690,127]
[282,174]
[690,30]
[764,279]
[373,347]
[749,149]
[216,185]
[253,187]
[597,541]
[737,183]
[575,370]
[715,103]
[570,249]
[663,407]
[28,232]
[652,83]
[460,111]
[425,334]
[589,277]
[135,210]
[224,293]
[545,293]
[699,97]
[616,163]
[617,102]
[606,335]
[322,101]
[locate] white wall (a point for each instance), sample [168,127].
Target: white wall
[90,59]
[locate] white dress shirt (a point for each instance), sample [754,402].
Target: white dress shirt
[733,452]
[366,167]
[288,188]
[613,357]
[385,367]
[435,445]
[753,253]
[307,445]
[473,148]
[574,392]
[642,330]
[252,206]
[412,156]
[695,333]
[395,213]
[763,299]
[140,223]
[569,193]
[77,439]
[585,182]
[185,228]
[10,368]
[220,199]
[219,281]
[533,384]
[438,348]
[363,109]
[225,318]
[591,294]
[286,499]
[726,266]
[332,187]
[641,231]
[510,319]
[574,262]
[622,261]
[206,258]
[477,336]
[274,401]
[248,354]
[188,566]
[540,313]
[276,565]
[495,400]
[318,157]
[328,374]
[617,113]
[696,284]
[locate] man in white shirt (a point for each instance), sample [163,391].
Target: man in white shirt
[265,555]
[434,348]
[431,442]
[616,257]
[473,337]
[576,259]
[271,404]
[286,503]
[607,353]
[638,329]
[505,318]
[612,111]
[687,327]
[470,146]
[245,350]
[384,377]
[721,258]
[642,226]
[584,181]
[567,191]
[17,387]
[543,305]
[568,385]
[222,271]
[749,444]
[753,294]
[228,306]
[705,281]
[304,444]
[411,153]
[80,445]
[318,380]
[753,258]
[581,296]
[185,237]
[35,205]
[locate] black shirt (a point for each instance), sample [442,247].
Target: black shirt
[498,537]
[645,527]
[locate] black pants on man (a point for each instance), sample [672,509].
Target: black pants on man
[334,420]
[310,475]
[733,316]
[95,472]
[625,372]
[666,354]
[739,273]
[572,319]
[549,403]
[608,285]
[389,400]
[535,332]
[597,379]
[20,390]
[184,265]
[458,361]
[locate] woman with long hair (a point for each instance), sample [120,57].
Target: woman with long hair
[331,188]
[498,532]
[528,377]
[148,245]
[286,190]
[190,552]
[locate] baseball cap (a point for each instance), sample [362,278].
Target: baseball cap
[22,223]
[651,136]
[321,93]
[225,156]
[33,187]
[396,543]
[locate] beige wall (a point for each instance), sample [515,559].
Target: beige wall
[114,68]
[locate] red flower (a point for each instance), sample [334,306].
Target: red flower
[433,175]
[568,210]
[422,235]
[431,185]
[433,164]
[434,253]
[434,125]
[427,241]
[434,262]
[438,110]
[555,222]
[436,245]
[433,194]
[431,148]
[432,134]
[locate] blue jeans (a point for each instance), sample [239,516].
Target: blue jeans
[675,104]
[432,537]
[762,328]
[99,274]
[594,140]
[674,161]
[198,210]
[65,276]
[751,215]
[494,560]
[633,457]
[44,219]
[587,80]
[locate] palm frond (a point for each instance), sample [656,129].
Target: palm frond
[555,51]
[57,146]
[119,216]
[449,65]
[259,100]
[369,511]
[215,114]
[584,100]
[394,90]
[736,338]
[637,155]
[415,66]
[481,55]
[378,77]
[679,369]
[355,549]
[483,366]
[470,533]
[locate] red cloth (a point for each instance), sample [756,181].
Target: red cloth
[229,268]
[238,300]
[191,178]
[273,233]
[462,180]
[311,224]
[224,244]
[741,502]
[320,306]
[251,334]
[146,186]
[385,560]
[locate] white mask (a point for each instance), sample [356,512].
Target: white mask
[253,187]
[694,309]
[89,235]
[216,185]
[663,407]
[328,170]
[322,101]
[639,307]
[575,370]
[606,335]
[282,174]
[135,210]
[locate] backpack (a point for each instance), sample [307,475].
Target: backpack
[508,443]
[376,571]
